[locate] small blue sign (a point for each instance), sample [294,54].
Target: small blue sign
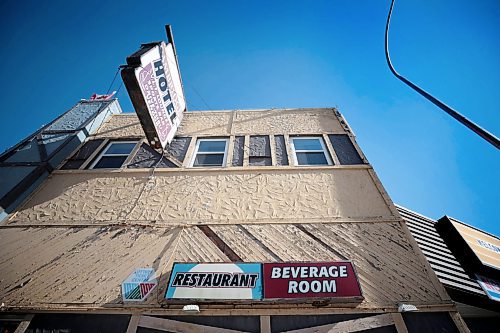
[139,284]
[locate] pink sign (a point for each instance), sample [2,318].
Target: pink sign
[147,82]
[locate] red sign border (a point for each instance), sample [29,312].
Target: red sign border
[314,299]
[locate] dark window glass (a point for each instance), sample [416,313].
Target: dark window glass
[260,161]
[208,160]
[311,159]
[147,157]
[120,148]
[212,146]
[72,164]
[178,147]
[239,143]
[344,149]
[110,162]
[281,154]
[82,155]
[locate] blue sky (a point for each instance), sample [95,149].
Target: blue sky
[264,54]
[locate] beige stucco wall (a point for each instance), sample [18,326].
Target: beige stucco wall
[96,218]
[214,123]
[177,197]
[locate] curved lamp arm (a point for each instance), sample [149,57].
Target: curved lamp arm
[471,125]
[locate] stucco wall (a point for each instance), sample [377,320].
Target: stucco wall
[102,219]
[213,123]
[207,197]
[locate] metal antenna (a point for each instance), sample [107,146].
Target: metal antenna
[471,125]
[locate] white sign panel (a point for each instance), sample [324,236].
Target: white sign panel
[157,91]
[223,281]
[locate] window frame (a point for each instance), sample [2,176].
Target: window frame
[324,150]
[106,147]
[196,152]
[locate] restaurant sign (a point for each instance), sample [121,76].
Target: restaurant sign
[230,281]
[153,82]
[256,281]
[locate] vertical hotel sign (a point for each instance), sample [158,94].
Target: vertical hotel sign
[153,82]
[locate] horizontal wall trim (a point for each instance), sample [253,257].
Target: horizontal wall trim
[241,110]
[13,223]
[222,310]
[217,170]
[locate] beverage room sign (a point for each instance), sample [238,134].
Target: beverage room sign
[311,280]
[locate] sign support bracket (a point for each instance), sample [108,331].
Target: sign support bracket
[170,39]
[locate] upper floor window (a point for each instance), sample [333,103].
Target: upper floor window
[210,153]
[114,155]
[310,151]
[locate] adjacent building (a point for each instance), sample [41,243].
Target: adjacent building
[466,261]
[287,190]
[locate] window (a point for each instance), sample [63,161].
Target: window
[310,151]
[82,155]
[210,153]
[114,155]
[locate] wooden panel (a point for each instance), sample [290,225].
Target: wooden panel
[355,325]
[133,323]
[399,323]
[23,326]
[265,324]
[195,246]
[289,243]
[243,243]
[458,320]
[384,259]
[77,265]
[179,327]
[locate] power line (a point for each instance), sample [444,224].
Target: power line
[113,81]
[197,93]
[471,125]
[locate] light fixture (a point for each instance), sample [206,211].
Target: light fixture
[191,308]
[406,307]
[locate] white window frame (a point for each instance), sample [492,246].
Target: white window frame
[324,150]
[108,145]
[224,159]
